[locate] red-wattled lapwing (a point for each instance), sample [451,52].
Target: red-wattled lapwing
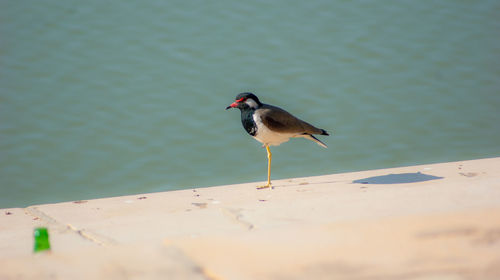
[271,125]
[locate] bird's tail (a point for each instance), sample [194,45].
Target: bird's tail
[312,138]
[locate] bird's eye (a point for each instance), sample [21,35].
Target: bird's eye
[241,100]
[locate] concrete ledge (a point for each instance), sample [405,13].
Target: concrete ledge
[436,221]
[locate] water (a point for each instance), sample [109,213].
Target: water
[111,98]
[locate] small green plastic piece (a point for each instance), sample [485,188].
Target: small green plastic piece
[42,242]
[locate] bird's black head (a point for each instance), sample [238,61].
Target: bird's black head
[245,100]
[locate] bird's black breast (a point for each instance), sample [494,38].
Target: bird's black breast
[248,122]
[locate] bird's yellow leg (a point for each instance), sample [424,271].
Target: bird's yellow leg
[269,158]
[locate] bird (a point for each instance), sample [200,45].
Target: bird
[272,125]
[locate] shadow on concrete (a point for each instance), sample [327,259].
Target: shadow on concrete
[397,178]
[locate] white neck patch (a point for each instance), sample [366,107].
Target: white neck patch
[251,103]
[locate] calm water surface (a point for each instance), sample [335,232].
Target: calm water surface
[111,98]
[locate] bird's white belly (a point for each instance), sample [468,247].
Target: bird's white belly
[269,137]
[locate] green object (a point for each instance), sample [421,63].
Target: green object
[42,242]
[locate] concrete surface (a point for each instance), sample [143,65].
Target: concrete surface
[435,221]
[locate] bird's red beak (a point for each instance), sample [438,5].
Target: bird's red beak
[235,103]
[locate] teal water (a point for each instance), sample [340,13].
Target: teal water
[105,98]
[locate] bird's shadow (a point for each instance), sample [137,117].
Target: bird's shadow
[401,178]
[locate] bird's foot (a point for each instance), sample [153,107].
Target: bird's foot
[265,187]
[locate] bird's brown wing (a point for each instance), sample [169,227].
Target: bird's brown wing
[279,120]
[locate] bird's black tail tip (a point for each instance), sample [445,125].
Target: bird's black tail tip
[323,132]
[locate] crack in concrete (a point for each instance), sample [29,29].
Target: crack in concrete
[39,215]
[98,239]
[237,216]
[61,227]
